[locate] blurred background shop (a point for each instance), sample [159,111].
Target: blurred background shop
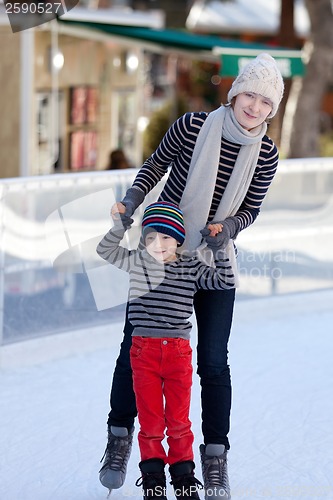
[76,87]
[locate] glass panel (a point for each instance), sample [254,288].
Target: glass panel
[52,280]
[288,249]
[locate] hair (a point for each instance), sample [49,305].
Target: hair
[117,160]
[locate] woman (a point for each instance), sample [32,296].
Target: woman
[214,178]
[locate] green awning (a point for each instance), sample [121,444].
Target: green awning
[231,51]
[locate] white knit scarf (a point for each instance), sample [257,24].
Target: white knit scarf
[198,193]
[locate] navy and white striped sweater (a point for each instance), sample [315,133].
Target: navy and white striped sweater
[176,150]
[161,295]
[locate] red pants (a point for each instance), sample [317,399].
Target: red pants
[162,380]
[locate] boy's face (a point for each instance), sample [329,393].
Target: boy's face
[161,246]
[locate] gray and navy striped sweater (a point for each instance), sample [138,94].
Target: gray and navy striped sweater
[161,295]
[176,150]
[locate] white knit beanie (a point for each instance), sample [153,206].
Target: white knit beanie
[260,76]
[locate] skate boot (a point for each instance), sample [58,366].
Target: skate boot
[215,472]
[183,480]
[118,449]
[153,479]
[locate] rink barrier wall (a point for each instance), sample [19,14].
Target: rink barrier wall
[52,281]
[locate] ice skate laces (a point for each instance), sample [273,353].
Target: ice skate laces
[117,453]
[215,472]
[151,480]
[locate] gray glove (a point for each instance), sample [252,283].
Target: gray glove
[132,199]
[126,221]
[220,241]
[122,223]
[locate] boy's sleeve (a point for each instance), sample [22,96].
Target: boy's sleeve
[110,250]
[219,278]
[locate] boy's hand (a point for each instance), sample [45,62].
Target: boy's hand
[214,228]
[223,231]
[116,210]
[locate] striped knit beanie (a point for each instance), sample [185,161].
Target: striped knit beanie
[164,217]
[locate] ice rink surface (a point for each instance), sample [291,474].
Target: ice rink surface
[54,403]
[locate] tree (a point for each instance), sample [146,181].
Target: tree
[286,37]
[304,141]
[159,123]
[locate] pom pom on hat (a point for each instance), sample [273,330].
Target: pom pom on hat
[260,76]
[164,217]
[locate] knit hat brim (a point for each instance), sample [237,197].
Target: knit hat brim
[159,228]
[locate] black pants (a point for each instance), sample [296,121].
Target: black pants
[214,311]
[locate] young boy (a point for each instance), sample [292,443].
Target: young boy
[162,285]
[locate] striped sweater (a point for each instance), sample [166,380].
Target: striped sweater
[176,150]
[161,295]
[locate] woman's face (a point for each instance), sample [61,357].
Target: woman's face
[251,109]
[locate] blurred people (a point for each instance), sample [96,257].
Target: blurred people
[118,160]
